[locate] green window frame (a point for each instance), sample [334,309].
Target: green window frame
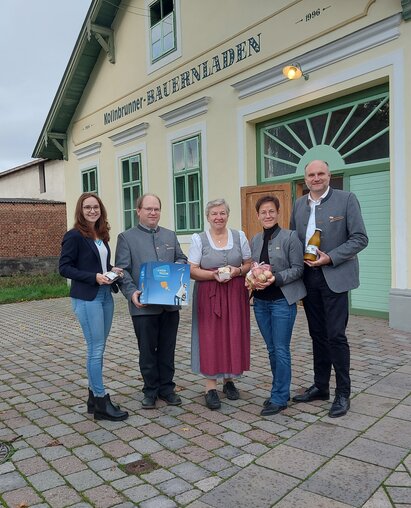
[162,29]
[131,184]
[89,180]
[350,132]
[187,179]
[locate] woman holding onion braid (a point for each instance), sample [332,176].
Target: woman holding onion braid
[275,296]
[220,336]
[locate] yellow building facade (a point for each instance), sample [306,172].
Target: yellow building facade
[187,99]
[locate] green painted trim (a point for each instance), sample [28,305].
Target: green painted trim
[373,192]
[131,185]
[360,126]
[369,93]
[322,151]
[369,313]
[88,172]
[372,167]
[75,78]
[166,53]
[260,151]
[375,167]
[186,173]
[346,181]
[406,9]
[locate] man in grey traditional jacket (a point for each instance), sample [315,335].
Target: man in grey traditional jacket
[328,279]
[155,325]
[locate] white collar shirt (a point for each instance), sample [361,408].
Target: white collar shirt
[311,221]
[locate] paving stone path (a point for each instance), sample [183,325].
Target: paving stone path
[55,455]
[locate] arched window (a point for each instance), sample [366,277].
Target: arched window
[353,132]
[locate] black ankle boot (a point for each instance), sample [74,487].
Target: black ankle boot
[90,402]
[105,410]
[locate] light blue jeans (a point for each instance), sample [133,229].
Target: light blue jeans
[275,319]
[95,318]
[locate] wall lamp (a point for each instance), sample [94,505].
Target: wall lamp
[294,71]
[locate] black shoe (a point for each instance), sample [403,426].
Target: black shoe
[172,399]
[339,407]
[267,401]
[271,409]
[90,402]
[104,410]
[231,391]
[312,393]
[148,402]
[212,399]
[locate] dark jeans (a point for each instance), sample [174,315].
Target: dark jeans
[156,336]
[327,316]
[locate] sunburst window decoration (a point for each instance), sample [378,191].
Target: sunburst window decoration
[355,133]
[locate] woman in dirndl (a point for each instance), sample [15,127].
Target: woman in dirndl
[220,337]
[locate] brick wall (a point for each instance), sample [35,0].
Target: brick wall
[31,229]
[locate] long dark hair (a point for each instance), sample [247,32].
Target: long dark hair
[101,227]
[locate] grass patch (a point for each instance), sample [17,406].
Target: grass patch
[22,288]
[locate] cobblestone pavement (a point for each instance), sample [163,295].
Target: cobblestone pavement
[55,454]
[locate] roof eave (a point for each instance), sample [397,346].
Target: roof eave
[44,147]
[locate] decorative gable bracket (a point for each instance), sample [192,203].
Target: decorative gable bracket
[59,140]
[105,37]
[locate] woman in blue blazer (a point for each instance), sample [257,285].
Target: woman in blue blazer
[85,259]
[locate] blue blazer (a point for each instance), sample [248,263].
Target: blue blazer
[80,261]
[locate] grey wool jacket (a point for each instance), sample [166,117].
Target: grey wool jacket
[137,246]
[285,253]
[343,235]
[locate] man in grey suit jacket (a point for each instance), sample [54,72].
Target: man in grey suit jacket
[328,279]
[155,325]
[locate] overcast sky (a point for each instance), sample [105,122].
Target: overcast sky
[36,38]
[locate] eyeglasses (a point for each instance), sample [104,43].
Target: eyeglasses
[264,213]
[88,208]
[151,210]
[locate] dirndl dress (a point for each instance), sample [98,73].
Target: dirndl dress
[220,338]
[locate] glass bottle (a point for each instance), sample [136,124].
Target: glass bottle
[313,244]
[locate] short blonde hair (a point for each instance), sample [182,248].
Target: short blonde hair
[217,202]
